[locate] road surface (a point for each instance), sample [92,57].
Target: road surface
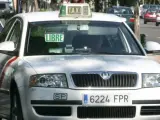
[152,32]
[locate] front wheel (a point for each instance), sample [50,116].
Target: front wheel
[157,24]
[16,109]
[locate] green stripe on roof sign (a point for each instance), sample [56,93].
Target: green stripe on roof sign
[62,10]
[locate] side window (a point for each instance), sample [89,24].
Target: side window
[15,34]
[6,30]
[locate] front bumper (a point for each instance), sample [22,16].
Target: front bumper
[150,19]
[43,97]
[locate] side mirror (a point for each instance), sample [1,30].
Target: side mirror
[7,46]
[152,47]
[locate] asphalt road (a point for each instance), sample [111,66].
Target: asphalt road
[151,30]
[152,33]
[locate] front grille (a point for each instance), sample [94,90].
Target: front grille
[150,110]
[52,111]
[95,80]
[106,112]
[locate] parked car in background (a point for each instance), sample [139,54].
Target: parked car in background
[157,18]
[132,8]
[145,7]
[140,10]
[5,9]
[125,12]
[150,15]
[154,6]
[143,10]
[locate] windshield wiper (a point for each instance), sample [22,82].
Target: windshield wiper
[111,53]
[83,50]
[60,53]
[89,52]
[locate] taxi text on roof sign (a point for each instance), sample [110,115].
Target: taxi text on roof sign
[75,10]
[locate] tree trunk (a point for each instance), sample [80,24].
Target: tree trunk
[15,5]
[53,5]
[142,1]
[150,1]
[97,5]
[27,5]
[137,20]
[36,5]
[23,6]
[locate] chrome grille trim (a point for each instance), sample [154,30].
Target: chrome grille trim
[94,79]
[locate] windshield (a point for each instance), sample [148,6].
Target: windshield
[80,37]
[145,6]
[151,10]
[154,6]
[121,11]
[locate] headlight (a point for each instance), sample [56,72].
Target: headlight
[48,80]
[151,80]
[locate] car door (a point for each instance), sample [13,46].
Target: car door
[14,34]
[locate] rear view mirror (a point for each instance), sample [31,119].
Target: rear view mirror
[78,27]
[7,46]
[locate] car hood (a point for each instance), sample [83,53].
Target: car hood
[84,63]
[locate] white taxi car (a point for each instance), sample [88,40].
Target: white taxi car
[73,64]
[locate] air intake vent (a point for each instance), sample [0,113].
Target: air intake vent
[150,110]
[106,112]
[53,111]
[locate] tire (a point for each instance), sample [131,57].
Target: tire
[157,24]
[16,109]
[145,22]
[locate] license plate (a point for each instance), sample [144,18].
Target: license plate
[107,99]
[74,10]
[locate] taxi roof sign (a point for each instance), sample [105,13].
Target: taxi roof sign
[75,10]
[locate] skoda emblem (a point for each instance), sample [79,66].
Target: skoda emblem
[105,75]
